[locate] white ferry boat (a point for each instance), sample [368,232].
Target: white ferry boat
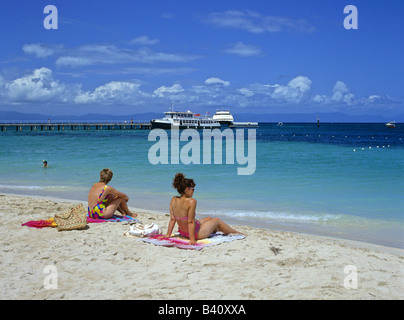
[391,124]
[226,119]
[184,120]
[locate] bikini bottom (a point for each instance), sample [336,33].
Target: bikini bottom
[96,212]
[197,228]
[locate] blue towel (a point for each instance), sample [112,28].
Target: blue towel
[115,218]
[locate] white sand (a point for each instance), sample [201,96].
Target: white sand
[100,263]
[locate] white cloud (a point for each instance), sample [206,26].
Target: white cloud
[94,54]
[147,56]
[295,91]
[244,50]
[321,99]
[102,54]
[144,40]
[150,71]
[246,92]
[341,93]
[262,89]
[68,61]
[40,50]
[41,86]
[374,97]
[257,23]
[112,92]
[167,91]
[218,81]
[36,86]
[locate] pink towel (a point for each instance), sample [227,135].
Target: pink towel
[40,223]
[183,243]
[50,223]
[91,220]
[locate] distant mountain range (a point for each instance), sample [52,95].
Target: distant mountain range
[140,117]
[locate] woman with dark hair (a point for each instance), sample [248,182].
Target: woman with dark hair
[182,212]
[105,200]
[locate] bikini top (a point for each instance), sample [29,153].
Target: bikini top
[181,218]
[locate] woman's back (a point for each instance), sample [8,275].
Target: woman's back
[94,193]
[181,206]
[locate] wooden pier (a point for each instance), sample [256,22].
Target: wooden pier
[64,126]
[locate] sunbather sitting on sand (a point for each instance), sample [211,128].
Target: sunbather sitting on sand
[105,200]
[182,211]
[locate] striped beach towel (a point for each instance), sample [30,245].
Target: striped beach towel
[183,243]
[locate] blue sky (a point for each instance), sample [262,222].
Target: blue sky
[259,56]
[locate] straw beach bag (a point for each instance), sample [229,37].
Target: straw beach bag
[73,219]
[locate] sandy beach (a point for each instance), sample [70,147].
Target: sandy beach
[100,263]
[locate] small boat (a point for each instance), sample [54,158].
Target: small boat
[391,124]
[226,119]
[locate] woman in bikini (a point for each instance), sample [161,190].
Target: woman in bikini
[182,212]
[105,200]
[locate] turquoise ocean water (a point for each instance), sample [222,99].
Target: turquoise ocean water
[340,180]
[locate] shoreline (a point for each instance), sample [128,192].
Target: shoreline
[356,243]
[309,229]
[100,263]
